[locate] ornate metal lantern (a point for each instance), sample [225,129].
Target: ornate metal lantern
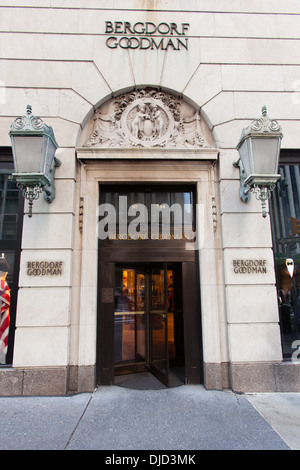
[259,148]
[33,146]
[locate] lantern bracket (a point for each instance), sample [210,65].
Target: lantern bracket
[49,189]
[245,189]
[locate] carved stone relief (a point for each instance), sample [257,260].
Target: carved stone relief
[146,118]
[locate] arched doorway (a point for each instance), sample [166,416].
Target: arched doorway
[151,149]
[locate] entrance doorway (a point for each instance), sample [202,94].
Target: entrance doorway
[148,321]
[151,330]
[149,315]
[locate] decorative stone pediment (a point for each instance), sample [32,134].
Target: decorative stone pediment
[147,118]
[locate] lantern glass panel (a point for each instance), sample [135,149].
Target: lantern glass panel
[244,151]
[27,153]
[265,152]
[49,150]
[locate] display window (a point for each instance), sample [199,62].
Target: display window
[11,219]
[285,219]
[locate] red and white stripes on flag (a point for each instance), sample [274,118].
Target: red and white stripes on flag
[4,315]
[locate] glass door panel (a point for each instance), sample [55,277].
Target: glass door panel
[140,317]
[158,325]
[129,317]
[170,300]
[144,321]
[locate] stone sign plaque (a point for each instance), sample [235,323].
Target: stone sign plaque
[44,268]
[107,295]
[249,266]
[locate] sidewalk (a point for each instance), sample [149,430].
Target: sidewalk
[182,418]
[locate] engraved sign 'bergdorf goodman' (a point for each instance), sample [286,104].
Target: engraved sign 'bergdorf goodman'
[44,268]
[139,35]
[249,266]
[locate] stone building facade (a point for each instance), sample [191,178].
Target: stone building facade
[148,94]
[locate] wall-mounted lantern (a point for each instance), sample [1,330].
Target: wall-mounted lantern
[33,147]
[259,148]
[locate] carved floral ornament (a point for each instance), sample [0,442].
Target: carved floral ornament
[146,118]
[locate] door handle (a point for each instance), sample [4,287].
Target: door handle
[158,312]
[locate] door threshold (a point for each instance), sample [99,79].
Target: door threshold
[130,368]
[145,380]
[140,381]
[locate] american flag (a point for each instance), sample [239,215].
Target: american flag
[4,315]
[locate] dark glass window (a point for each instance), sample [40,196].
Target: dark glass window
[11,219]
[285,219]
[9,204]
[160,210]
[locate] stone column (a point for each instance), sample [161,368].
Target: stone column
[251,299]
[41,347]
